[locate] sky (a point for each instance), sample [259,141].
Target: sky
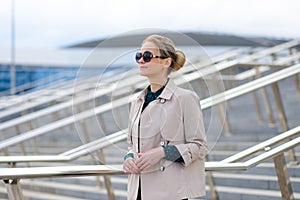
[56,23]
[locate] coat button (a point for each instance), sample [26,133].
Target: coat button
[162,101]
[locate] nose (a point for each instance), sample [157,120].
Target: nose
[141,60]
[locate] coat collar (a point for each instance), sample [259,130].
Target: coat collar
[166,93]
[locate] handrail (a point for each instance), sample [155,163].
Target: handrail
[104,91]
[257,55]
[262,67]
[12,176]
[96,145]
[43,172]
[93,170]
[70,154]
[251,163]
[250,86]
[66,104]
[76,101]
[57,125]
[205,103]
[121,136]
[217,58]
[67,120]
[27,158]
[272,153]
[67,92]
[261,146]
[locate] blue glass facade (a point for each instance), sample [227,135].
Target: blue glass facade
[27,74]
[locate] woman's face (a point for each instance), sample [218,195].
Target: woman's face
[156,67]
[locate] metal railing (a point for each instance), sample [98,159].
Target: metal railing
[214,101]
[238,91]
[28,118]
[112,78]
[205,103]
[219,66]
[69,155]
[12,176]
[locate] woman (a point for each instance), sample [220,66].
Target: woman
[167,144]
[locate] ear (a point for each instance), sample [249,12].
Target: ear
[168,62]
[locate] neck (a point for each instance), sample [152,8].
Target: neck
[157,84]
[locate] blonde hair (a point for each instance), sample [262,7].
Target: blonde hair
[167,48]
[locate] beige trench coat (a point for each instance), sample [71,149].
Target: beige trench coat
[174,118]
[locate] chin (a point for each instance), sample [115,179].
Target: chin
[143,73]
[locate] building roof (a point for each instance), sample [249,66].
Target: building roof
[184,39]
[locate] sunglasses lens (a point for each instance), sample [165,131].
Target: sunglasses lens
[138,56]
[147,56]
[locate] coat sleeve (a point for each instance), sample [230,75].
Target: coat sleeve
[195,146]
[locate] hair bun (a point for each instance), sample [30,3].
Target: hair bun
[180,60]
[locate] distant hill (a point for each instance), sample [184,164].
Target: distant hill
[204,39]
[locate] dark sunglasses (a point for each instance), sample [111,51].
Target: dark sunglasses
[147,56]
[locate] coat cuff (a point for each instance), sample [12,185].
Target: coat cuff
[187,152]
[129,155]
[172,154]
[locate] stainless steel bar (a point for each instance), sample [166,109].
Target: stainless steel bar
[224,119]
[282,117]
[13,189]
[280,108]
[249,87]
[283,177]
[212,188]
[261,146]
[206,103]
[297,86]
[93,170]
[61,171]
[257,106]
[43,158]
[211,184]
[108,185]
[266,101]
[272,153]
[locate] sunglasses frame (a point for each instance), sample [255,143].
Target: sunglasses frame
[147,59]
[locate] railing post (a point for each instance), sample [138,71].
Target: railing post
[296,82]
[258,110]
[109,188]
[211,184]
[282,117]
[266,100]
[212,189]
[295,78]
[14,190]
[283,177]
[224,119]
[214,88]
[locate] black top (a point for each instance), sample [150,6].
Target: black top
[151,96]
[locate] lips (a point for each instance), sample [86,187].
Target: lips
[143,67]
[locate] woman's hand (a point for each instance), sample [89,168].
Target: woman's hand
[149,158]
[130,167]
